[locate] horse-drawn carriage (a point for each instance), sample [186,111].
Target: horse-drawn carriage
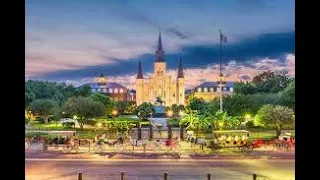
[101,141]
[64,139]
[286,142]
[237,139]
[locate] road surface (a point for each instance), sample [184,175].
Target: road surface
[153,169]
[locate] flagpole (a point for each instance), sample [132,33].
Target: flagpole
[220,75]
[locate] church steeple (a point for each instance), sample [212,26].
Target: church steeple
[160,52]
[139,76]
[160,43]
[180,70]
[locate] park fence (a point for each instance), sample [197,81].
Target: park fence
[166,176]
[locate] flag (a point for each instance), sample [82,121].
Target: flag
[223,38]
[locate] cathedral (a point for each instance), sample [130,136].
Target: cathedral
[160,88]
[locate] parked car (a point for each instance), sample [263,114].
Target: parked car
[27,126]
[64,120]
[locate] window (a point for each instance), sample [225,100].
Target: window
[164,94]
[115,90]
[110,90]
[99,89]
[174,95]
[199,89]
[93,90]
[121,90]
[205,89]
[180,95]
[104,90]
[231,89]
[218,89]
[211,89]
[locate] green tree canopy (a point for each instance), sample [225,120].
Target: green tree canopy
[274,116]
[145,110]
[195,122]
[244,88]
[84,108]
[84,91]
[43,108]
[288,95]
[59,92]
[270,82]
[106,101]
[197,104]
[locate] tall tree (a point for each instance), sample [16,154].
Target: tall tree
[270,82]
[144,111]
[84,91]
[84,108]
[244,88]
[274,116]
[195,122]
[197,104]
[43,108]
[288,96]
[106,101]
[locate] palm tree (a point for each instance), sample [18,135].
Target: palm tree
[195,122]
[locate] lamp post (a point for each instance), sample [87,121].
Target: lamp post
[247,117]
[170,113]
[114,113]
[221,81]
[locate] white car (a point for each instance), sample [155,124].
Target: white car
[27,126]
[64,120]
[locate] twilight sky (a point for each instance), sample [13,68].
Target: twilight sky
[73,40]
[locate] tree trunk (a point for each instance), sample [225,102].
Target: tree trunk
[278,131]
[80,124]
[150,132]
[139,131]
[181,132]
[169,132]
[46,119]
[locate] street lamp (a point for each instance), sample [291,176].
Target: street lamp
[114,112]
[181,113]
[247,117]
[170,113]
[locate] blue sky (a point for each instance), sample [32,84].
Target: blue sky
[75,39]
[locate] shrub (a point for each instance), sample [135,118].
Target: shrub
[174,122]
[68,124]
[250,124]
[91,122]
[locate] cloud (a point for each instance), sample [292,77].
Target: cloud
[196,76]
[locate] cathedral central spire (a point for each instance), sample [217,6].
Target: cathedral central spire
[139,76]
[160,52]
[180,70]
[160,43]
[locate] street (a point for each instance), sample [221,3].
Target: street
[153,169]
